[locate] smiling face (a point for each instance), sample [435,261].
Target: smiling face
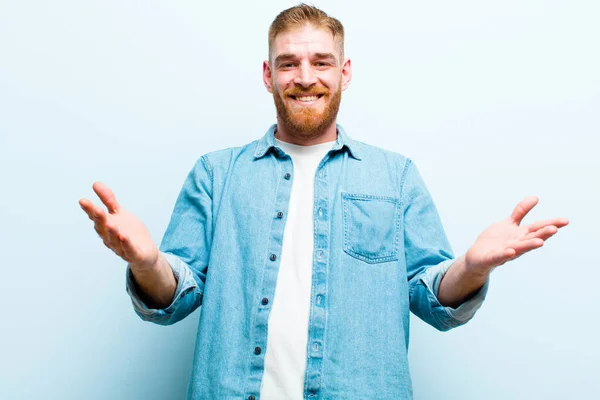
[306,75]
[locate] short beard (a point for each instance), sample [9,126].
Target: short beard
[306,122]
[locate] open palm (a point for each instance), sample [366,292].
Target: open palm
[120,230]
[508,239]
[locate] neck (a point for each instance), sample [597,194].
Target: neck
[285,134]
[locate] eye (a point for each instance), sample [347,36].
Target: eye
[322,64]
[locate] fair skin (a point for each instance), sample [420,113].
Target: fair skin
[128,237]
[503,241]
[308,59]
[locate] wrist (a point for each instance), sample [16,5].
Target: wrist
[474,272]
[146,266]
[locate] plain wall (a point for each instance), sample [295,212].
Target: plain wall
[494,101]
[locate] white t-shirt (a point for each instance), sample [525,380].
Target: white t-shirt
[285,357]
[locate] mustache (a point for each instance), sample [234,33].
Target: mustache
[301,92]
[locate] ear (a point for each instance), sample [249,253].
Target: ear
[267,76]
[346,73]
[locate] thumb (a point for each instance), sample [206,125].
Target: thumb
[107,197]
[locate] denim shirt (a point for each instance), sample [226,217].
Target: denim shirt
[380,251]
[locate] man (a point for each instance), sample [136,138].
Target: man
[306,249]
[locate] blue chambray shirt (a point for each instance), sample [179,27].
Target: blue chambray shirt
[379,251]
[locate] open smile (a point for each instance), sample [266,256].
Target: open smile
[306,100]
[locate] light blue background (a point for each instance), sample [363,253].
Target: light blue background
[493,100]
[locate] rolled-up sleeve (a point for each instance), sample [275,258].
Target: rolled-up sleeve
[184,300]
[444,318]
[186,247]
[429,256]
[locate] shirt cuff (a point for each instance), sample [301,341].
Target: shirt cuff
[432,278]
[185,283]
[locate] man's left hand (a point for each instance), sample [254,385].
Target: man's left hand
[507,239]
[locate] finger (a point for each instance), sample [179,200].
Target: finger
[557,222]
[543,233]
[91,209]
[100,222]
[87,207]
[129,249]
[117,251]
[523,208]
[527,245]
[113,241]
[500,257]
[107,196]
[111,236]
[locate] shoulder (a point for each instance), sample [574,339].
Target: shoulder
[225,155]
[219,161]
[374,154]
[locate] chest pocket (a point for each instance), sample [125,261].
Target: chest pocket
[371,227]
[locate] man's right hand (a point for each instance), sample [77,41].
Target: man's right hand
[120,230]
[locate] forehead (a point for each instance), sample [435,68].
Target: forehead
[304,41]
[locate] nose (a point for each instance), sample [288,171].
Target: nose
[305,76]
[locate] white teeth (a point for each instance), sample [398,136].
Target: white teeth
[307,98]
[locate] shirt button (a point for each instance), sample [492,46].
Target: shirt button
[320,212]
[257,350]
[273,257]
[279,214]
[251,397]
[265,301]
[287,176]
[320,254]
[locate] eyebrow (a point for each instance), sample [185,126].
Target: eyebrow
[327,56]
[284,57]
[289,56]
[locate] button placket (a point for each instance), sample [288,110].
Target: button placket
[318,311]
[269,276]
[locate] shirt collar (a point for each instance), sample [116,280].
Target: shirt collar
[268,141]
